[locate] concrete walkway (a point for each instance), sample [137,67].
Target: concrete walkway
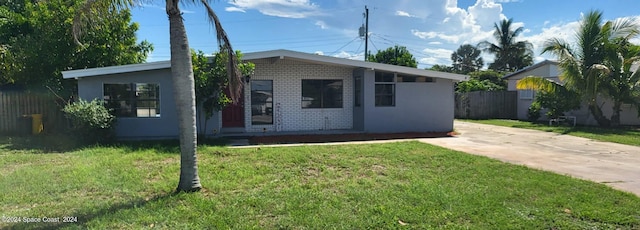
[614,164]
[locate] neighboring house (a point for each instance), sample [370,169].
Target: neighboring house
[289,91]
[549,69]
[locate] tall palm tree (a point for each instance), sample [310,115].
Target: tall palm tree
[511,55]
[587,67]
[182,75]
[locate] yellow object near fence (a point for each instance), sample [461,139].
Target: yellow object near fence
[36,124]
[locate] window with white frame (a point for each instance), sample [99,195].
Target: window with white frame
[132,99]
[526,94]
[385,89]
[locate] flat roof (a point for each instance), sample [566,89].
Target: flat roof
[280,54]
[529,68]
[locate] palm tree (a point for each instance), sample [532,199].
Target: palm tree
[182,75]
[584,67]
[511,55]
[623,79]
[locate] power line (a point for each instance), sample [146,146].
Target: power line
[344,45]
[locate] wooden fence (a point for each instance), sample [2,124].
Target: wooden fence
[17,106]
[487,105]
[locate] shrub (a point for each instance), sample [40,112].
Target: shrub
[558,102]
[533,114]
[91,122]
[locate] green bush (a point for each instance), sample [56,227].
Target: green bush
[533,114]
[91,122]
[558,102]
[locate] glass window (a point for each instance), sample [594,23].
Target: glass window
[133,99]
[385,89]
[321,93]
[357,91]
[409,78]
[385,94]
[261,102]
[384,77]
[526,94]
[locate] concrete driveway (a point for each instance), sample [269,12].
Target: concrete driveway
[613,164]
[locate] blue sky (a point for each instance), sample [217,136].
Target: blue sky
[430,29]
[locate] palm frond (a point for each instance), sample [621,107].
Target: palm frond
[622,28]
[537,83]
[233,72]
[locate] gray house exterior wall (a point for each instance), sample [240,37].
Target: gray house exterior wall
[164,126]
[419,107]
[548,71]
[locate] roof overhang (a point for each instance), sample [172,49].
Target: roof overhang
[75,74]
[273,54]
[328,60]
[530,68]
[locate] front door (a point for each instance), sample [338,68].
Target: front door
[233,114]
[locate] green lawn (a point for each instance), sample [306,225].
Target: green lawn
[622,135]
[395,185]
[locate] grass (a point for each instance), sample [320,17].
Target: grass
[394,185]
[622,135]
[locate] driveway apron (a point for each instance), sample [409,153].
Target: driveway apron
[616,165]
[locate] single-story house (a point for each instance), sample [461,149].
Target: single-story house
[549,69]
[289,91]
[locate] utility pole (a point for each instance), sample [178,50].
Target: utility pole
[364,32]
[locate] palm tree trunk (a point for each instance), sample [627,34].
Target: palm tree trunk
[596,111]
[615,116]
[184,94]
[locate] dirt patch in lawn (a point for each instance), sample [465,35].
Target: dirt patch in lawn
[322,138]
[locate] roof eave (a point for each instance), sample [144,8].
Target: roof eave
[530,68]
[80,73]
[281,54]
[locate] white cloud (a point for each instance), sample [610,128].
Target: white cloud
[436,56]
[279,8]
[404,14]
[322,25]
[234,9]
[347,55]
[443,36]
[564,31]
[507,1]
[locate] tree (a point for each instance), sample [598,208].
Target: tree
[211,80]
[510,55]
[442,68]
[623,78]
[39,44]
[487,80]
[466,59]
[586,67]
[397,55]
[182,76]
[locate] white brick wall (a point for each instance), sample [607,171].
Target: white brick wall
[287,78]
